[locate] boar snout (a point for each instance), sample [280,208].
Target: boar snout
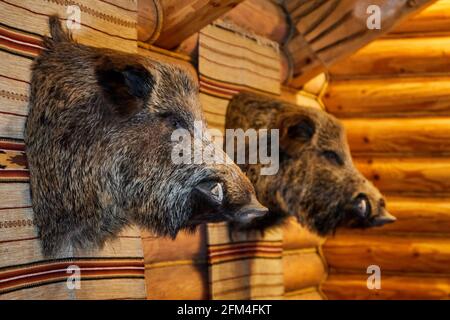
[212,202]
[367,215]
[250,212]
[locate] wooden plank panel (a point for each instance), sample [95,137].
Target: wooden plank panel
[389,97]
[298,237]
[302,270]
[412,254]
[177,282]
[408,176]
[157,249]
[392,287]
[396,57]
[394,136]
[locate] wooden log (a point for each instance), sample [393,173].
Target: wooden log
[262,17]
[416,136]
[389,97]
[400,254]
[304,294]
[298,237]
[394,57]
[413,214]
[182,18]
[424,176]
[167,23]
[343,286]
[177,282]
[433,20]
[333,30]
[302,270]
[150,20]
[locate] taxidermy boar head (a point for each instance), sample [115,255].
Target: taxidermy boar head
[98,142]
[317,181]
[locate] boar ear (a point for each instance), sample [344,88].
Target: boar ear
[295,131]
[126,85]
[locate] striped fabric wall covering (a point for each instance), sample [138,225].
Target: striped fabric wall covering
[103,23]
[175,269]
[247,267]
[115,272]
[231,61]
[250,266]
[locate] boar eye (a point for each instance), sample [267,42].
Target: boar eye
[333,157]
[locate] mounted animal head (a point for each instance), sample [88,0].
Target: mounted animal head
[317,181]
[99,145]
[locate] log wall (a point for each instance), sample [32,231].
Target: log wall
[393,98]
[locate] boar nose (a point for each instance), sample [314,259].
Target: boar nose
[383,218]
[250,211]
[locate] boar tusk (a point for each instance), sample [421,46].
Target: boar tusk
[217,191]
[383,218]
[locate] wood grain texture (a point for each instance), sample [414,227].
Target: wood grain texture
[150,21]
[424,176]
[434,20]
[414,136]
[166,23]
[399,254]
[397,97]
[393,97]
[397,57]
[262,17]
[177,282]
[427,216]
[176,269]
[185,247]
[348,286]
[302,269]
[304,294]
[328,31]
[182,18]
[298,237]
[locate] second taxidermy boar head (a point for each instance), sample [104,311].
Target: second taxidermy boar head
[98,142]
[317,181]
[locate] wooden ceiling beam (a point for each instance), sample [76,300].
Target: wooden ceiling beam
[166,23]
[327,31]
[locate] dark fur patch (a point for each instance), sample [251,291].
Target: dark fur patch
[126,86]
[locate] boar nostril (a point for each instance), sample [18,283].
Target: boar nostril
[250,211]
